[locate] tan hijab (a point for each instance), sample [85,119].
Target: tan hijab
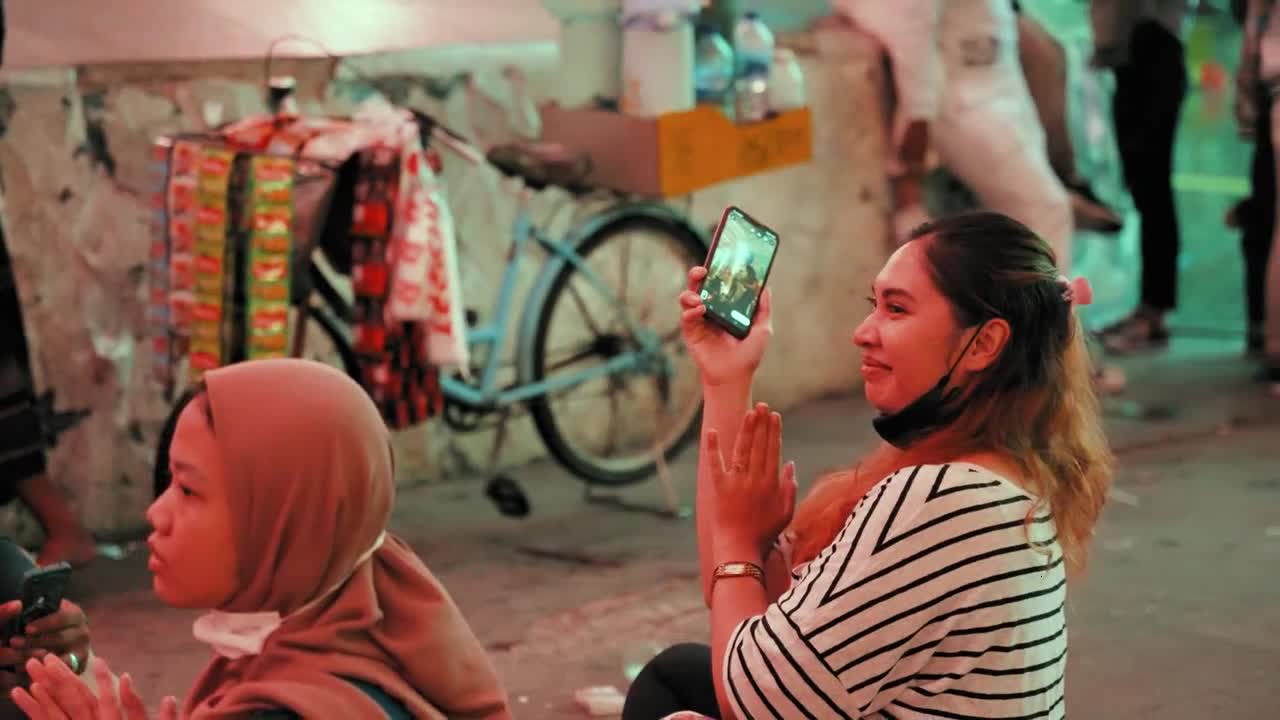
[309,468]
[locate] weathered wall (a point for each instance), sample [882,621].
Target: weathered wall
[72,160]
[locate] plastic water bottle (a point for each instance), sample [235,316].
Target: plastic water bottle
[753,50]
[715,69]
[753,46]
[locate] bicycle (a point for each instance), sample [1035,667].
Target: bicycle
[625,348]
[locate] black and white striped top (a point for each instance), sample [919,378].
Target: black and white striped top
[930,603]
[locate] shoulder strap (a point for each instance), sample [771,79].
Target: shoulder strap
[389,705]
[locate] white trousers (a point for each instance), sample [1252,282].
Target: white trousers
[989,136]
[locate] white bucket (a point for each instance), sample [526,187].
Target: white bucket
[632,8]
[590,50]
[658,62]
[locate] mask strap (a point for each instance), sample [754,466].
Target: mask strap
[946,378]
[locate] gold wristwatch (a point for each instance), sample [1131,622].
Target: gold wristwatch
[736,570]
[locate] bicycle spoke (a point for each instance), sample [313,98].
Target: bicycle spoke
[582,307]
[626,263]
[611,440]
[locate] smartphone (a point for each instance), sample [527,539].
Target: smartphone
[738,265]
[43,590]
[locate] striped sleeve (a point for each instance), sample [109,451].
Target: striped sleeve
[926,561]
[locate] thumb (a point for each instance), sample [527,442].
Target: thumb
[169,708]
[134,708]
[790,488]
[764,313]
[715,459]
[10,610]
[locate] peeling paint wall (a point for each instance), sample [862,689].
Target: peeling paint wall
[72,163]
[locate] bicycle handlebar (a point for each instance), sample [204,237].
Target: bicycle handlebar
[434,130]
[458,145]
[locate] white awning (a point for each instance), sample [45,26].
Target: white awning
[58,33]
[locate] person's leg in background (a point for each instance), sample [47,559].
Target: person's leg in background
[1044,65]
[999,155]
[1150,90]
[1256,217]
[1271,344]
[23,471]
[23,474]
[679,678]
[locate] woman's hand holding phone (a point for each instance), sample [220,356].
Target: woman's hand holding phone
[722,358]
[63,633]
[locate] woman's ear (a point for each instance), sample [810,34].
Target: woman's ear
[987,346]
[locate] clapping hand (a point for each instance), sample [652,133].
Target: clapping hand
[755,496]
[57,694]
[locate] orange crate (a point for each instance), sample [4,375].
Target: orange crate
[678,153]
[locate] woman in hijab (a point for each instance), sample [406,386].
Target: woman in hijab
[282,487]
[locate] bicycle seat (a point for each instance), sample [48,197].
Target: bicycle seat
[543,165]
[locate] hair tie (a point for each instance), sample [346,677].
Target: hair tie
[1076,292]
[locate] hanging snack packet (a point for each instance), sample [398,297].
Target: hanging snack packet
[158,318]
[208,349]
[268,266]
[180,205]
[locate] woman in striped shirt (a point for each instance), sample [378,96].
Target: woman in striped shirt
[930,580]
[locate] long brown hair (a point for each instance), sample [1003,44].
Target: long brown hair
[1035,406]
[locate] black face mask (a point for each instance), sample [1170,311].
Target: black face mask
[932,411]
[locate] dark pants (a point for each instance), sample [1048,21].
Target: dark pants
[679,678]
[1258,218]
[1150,90]
[22,441]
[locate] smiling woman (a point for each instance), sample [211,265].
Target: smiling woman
[931,580]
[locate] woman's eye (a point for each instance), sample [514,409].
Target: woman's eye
[185,490]
[892,308]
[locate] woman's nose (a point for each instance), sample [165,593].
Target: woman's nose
[865,334]
[156,514]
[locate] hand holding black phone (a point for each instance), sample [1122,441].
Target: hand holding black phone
[738,266]
[43,590]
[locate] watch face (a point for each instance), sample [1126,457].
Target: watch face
[736,568]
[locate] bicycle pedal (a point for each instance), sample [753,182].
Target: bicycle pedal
[507,495]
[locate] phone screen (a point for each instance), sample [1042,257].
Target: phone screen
[737,268]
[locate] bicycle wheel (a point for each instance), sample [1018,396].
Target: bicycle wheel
[611,430]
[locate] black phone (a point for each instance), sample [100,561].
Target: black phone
[43,590]
[738,266]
